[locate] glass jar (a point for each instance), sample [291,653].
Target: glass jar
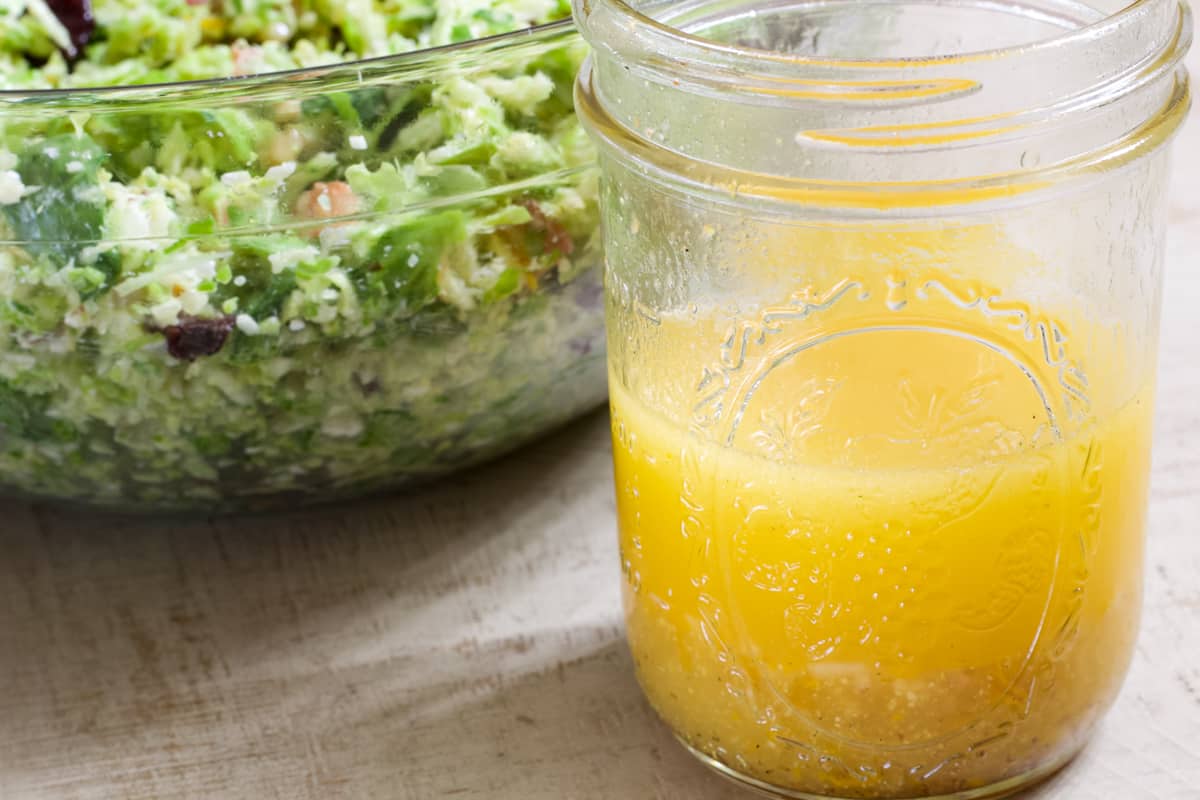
[882,296]
[294,287]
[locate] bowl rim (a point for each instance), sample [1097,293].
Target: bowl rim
[282,84]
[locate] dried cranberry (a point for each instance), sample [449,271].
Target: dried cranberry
[76,17]
[193,337]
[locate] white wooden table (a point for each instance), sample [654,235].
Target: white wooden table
[466,643]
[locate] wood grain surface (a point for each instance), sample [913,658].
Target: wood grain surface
[465,642]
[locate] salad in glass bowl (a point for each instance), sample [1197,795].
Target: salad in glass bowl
[256,252]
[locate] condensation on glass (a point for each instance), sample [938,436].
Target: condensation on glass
[883,285]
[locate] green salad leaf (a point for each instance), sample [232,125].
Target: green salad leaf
[63,209]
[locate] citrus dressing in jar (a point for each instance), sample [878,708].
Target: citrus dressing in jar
[881,344]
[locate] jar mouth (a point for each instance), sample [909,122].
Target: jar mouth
[662,26]
[783,94]
[1139,41]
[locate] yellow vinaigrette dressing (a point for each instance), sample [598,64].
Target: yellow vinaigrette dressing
[884,539]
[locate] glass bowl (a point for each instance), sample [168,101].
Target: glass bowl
[242,293]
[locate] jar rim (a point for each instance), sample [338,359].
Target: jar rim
[1146,37]
[778,119]
[1089,32]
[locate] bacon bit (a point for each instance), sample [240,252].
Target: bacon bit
[327,200]
[557,237]
[197,2]
[194,337]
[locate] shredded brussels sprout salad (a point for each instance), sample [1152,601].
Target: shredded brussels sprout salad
[305,295]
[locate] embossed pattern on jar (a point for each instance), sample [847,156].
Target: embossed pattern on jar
[882,600]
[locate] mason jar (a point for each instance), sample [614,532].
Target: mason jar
[883,286]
